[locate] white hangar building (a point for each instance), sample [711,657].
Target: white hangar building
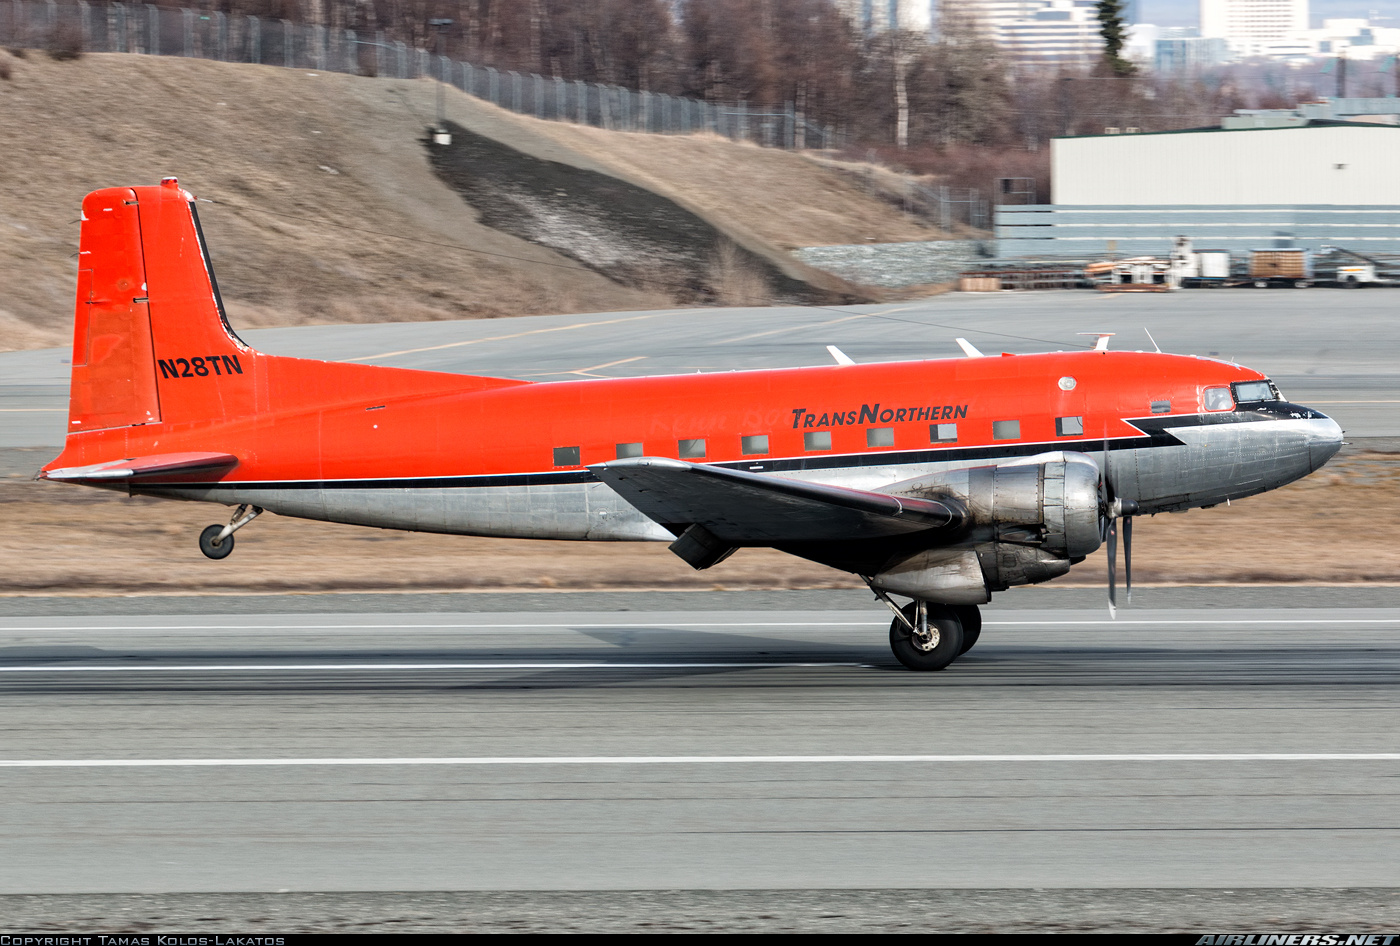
[1311,183]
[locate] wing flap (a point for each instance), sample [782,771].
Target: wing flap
[742,508]
[147,466]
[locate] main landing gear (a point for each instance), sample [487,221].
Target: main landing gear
[216,541]
[925,635]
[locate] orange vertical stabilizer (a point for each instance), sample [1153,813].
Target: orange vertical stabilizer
[158,372]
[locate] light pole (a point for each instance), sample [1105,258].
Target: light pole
[441,135]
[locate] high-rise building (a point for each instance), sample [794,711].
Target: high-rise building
[1065,31]
[1059,31]
[1185,54]
[1241,21]
[878,16]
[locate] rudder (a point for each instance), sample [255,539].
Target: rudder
[151,341]
[113,378]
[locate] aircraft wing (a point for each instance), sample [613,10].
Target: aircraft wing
[739,508]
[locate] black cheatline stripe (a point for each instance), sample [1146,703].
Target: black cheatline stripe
[1156,429]
[845,461]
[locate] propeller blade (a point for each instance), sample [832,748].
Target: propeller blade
[1128,556]
[1113,568]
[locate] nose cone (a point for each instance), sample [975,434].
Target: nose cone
[1324,439]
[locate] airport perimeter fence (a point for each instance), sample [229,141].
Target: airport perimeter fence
[71,28]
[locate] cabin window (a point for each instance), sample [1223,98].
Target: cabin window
[566,456]
[1217,399]
[1006,430]
[943,433]
[692,449]
[816,440]
[879,437]
[754,446]
[626,450]
[1161,407]
[1069,426]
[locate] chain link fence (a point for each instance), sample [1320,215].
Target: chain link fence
[75,27]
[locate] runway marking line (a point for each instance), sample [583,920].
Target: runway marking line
[713,760]
[500,338]
[596,665]
[1125,622]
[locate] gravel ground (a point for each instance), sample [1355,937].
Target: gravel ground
[1363,910]
[893,265]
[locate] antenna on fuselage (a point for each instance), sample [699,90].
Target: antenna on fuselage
[841,357]
[1102,343]
[968,348]
[1152,340]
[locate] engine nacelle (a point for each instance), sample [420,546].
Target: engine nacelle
[1031,520]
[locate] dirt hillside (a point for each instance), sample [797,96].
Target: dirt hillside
[325,208]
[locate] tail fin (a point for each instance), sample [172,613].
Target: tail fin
[148,308]
[162,385]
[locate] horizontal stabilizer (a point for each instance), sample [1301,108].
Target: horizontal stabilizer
[147,466]
[741,508]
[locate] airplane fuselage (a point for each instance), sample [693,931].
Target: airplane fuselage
[513,461]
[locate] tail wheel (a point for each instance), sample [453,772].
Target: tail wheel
[207,546]
[939,649]
[971,617]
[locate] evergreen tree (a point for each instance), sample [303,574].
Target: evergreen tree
[1115,33]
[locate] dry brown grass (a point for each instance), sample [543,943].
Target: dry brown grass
[735,280]
[789,199]
[69,540]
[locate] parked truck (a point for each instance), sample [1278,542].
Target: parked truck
[1350,269]
[1288,266]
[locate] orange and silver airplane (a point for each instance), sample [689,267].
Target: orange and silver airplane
[942,481]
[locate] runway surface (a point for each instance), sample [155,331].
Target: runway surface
[733,748]
[1326,348]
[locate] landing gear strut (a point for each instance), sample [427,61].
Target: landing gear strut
[216,541]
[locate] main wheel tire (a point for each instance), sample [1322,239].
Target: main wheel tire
[970,616]
[947,632]
[207,546]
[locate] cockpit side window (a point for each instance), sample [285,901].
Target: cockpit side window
[1217,399]
[1246,391]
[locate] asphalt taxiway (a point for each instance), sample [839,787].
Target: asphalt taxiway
[1180,746]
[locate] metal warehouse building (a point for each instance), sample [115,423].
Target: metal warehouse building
[1310,184]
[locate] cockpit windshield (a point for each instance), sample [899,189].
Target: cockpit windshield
[1246,391]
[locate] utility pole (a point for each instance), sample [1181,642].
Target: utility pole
[440,135]
[1342,75]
